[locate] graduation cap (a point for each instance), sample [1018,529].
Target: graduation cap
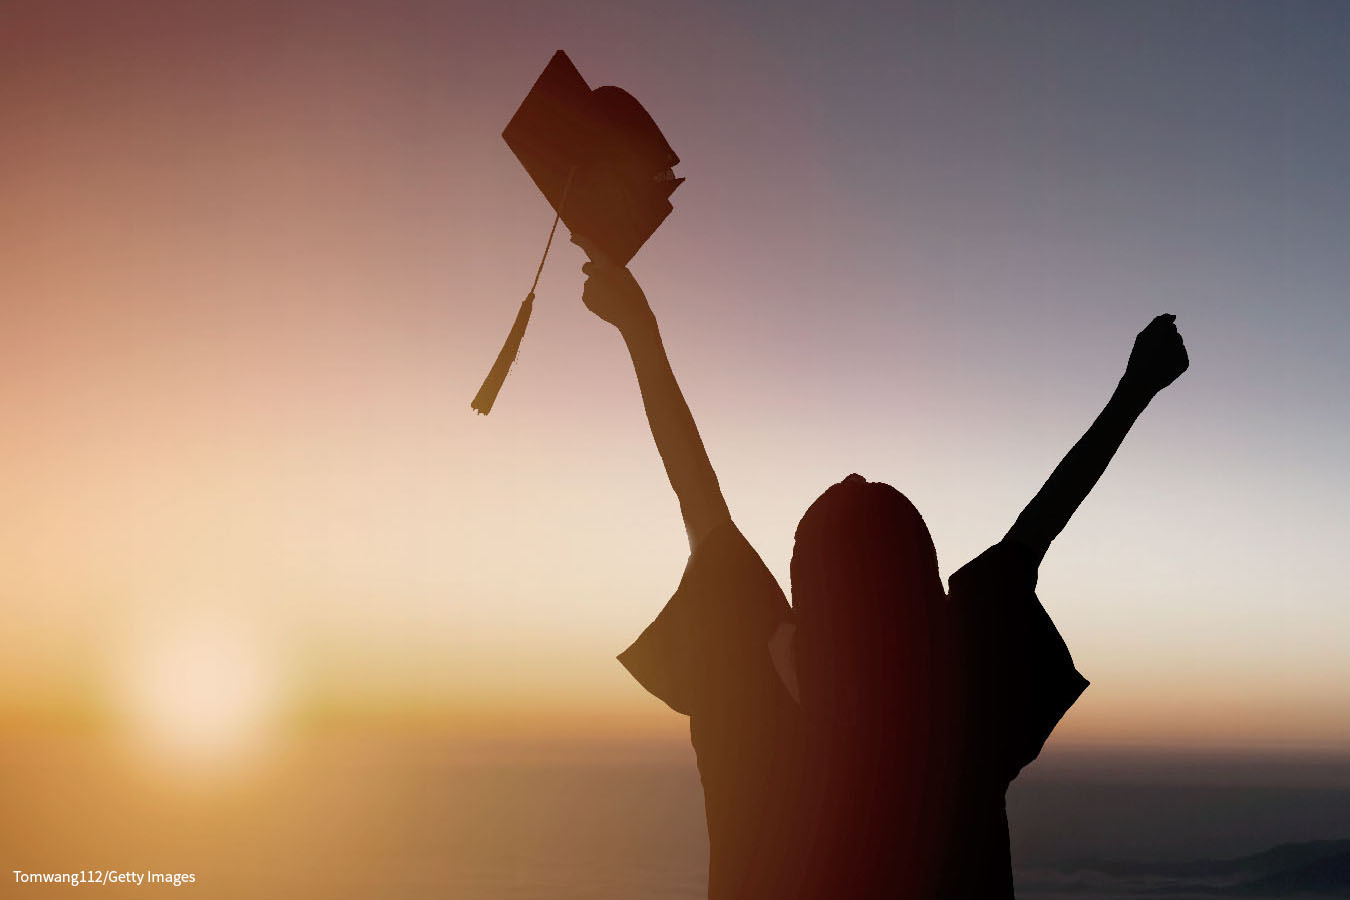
[602,164]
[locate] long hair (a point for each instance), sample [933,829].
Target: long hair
[871,665]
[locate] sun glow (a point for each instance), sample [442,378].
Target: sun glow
[201,688]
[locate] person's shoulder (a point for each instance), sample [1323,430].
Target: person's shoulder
[725,550]
[725,579]
[1007,565]
[722,539]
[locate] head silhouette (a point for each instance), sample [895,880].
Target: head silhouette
[866,593]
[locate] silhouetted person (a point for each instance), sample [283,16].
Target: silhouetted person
[920,707]
[884,773]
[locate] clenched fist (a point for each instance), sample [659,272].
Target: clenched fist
[611,291]
[1158,358]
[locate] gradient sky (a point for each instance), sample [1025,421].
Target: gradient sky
[256,258]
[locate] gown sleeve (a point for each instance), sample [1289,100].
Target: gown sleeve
[1020,677]
[708,648]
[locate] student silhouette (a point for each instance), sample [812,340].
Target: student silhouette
[920,707]
[858,744]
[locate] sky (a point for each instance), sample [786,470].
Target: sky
[255,260]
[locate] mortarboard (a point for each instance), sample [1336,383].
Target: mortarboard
[602,164]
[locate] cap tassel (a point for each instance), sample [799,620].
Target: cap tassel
[496,377]
[487,394]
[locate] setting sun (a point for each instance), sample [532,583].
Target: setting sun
[200,687]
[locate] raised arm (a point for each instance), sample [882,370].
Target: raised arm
[613,294]
[1158,359]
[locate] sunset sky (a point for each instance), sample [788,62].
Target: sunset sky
[255,260]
